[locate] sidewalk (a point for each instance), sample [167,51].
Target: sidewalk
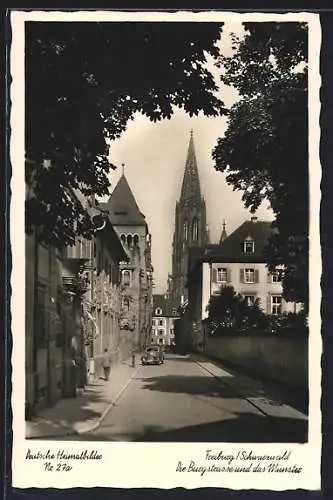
[85,412]
[268,400]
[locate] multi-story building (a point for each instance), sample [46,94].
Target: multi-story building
[238,262]
[165,313]
[101,304]
[136,273]
[72,309]
[190,225]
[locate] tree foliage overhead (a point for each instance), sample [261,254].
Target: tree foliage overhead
[83,83]
[265,148]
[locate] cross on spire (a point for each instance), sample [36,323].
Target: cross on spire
[123,168]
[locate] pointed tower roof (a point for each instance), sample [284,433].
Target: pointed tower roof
[191,183]
[224,235]
[122,207]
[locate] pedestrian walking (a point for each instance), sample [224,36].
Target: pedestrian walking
[106,364]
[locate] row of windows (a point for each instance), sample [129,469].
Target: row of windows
[130,240]
[159,322]
[275,306]
[160,332]
[246,275]
[158,311]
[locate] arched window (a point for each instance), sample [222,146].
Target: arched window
[126,304]
[126,275]
[195,229]
[136,240]
[123,239]
[129,240]
[185,230]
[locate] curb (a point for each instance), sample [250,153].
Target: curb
[95,425]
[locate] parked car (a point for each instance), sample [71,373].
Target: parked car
[153,355]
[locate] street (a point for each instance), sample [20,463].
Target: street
[185,400]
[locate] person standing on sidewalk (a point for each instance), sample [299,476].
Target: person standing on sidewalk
[106,364]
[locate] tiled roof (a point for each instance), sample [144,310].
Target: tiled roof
[167,306]
[232,248]
[122,207]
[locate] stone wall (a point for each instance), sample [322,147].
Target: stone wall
[280,358]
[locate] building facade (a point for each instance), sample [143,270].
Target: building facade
[136,272]
[101,303]
[165,313]
[72,309]
[190,225]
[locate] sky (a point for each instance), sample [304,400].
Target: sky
[154,156]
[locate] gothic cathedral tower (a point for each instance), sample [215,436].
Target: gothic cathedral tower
[190,224]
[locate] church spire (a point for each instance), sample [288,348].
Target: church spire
[191,184]
[224,233]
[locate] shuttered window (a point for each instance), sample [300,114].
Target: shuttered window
[249,275]
[222,275]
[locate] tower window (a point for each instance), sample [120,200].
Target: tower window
[185,230]
[126,277]
[129,240]
[136,240]
[195,230]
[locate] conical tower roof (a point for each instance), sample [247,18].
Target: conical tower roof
[191,184]
[122,207]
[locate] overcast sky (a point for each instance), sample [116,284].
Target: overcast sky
[154,155]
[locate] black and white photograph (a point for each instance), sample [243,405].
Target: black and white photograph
[166,239]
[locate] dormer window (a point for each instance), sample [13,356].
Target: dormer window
[158,311]
[248,245]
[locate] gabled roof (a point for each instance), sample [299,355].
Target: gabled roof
[232,248]
[122,207]
[166,305]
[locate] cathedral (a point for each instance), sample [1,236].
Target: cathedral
[190,226]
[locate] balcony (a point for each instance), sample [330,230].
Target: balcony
[74,285]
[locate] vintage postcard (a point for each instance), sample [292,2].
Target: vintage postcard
[166,251]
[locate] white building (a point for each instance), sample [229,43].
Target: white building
[164,315]
[238,261]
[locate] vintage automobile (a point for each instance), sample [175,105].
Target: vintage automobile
[153,355]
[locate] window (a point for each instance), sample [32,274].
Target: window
[153,322]
[195,229]
[126,277]
[174,311]
[249,275]
[160,322]
[248,245]
[126,304]
[136,240]
[249,299]
[221,274]
[158,311]
[185,230]
[161,341]
[161,332]
[277,275]
[276,304]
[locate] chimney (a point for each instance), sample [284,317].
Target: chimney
[254,219]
